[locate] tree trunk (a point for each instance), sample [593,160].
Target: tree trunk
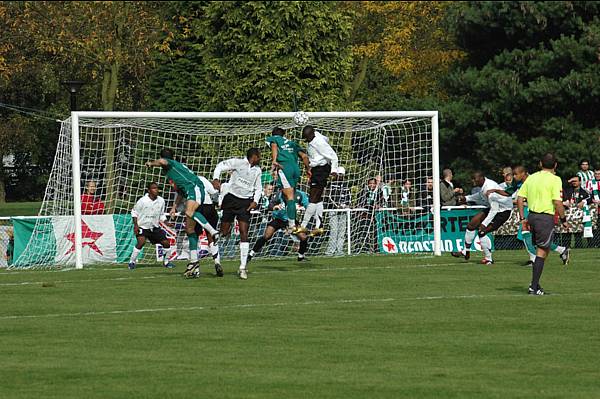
[358,79]
[2,187]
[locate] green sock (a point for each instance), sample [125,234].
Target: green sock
[291,209]
[193,239]
[553,247]
[198,217]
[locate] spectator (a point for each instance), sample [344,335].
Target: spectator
[370,198]
[386,190]
[448,192]
[10,248]
[90,203]
[337,198]
[406,193]
[575,195]
[507,175]
[266,197]
[595,187]
[425,199]
[585,174]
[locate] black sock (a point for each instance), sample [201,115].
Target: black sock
[538,267]
[303,246]
[259,244]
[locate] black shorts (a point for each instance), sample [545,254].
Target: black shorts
[319,177]
[235,207]
[278,224]
[497,221]
[211,215]
[155,235]
[541,226]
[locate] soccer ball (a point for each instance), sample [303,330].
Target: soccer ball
[300,118]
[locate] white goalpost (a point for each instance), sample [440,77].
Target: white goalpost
[99,173]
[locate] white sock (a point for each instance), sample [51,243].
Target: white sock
[311,209]
[214,251]
[244,248]
[167,255]
[291,223]
[134,255]
[319,215]
[531,256]
[560,249]
[486,245]
[193,255]
[206,226]
[469,237]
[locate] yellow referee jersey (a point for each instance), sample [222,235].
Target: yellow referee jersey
[540,189]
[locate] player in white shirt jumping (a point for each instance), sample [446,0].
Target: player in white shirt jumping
[495,215]
[322,161]
[147,214]
[245,190]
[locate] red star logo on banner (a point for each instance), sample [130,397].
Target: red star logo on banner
[88,237]
[390,246]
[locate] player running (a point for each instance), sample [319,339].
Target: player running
[284,157]
[244,192]
[185,182]
[322,160]
[147,214]
[497,212]
[278,221]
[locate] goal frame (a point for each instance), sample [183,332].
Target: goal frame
[75,148]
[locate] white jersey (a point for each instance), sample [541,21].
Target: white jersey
[209,191]
[496,202]
[320,152]
[149,213]
[245,179]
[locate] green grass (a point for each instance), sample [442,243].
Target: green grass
[376,327]
[19,208]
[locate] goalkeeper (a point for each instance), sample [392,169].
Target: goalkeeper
[279,222]
[284,155]
[191,188]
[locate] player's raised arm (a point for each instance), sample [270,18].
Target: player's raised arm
[161,162]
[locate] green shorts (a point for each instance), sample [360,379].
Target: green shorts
[288,177]
[194,193]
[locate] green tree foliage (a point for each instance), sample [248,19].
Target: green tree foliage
[254,56]
[530,85]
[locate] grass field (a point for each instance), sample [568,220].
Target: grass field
[19,208]
[376,327]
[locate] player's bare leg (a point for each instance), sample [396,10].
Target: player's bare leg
[470,235]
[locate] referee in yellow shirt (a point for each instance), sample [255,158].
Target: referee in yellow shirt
[542,190]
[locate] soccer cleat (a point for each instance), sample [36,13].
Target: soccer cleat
[192,270]
[317,232]
[219,270]
[565,256]
[528,263]
[243,274]
[302,258]
[467,255]
[299,230]
[131,265]
[538,291]
[169,265]
[486,261]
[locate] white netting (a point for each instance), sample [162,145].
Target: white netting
[113,152]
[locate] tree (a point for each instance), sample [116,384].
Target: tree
[254,56]
[403,46]
[529,84]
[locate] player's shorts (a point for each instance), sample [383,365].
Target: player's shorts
[319,177]
[288,177]
[155,235]
[497,221]
[278,224]
[233,207]
[210,213]
[541,226]
[194,193]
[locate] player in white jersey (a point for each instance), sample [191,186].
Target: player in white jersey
[322,161]
[147,214]
[245,190]
[497,212]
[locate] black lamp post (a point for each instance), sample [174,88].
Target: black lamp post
[73,86]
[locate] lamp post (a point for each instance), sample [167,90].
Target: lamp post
[73,86]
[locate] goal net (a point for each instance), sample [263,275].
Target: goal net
[382,203]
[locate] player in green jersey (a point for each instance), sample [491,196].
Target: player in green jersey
[284,155]
[188,185]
